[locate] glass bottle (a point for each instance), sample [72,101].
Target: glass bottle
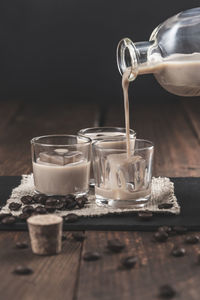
[172,54]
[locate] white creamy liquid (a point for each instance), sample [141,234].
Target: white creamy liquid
[52,179]
[125,85]
[178,73]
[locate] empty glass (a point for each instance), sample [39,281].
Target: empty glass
[99,133]
[122,181]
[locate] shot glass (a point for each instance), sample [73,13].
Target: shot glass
[61,164]
[101,133]
[122,180]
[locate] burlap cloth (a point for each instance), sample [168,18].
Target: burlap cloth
[162,192]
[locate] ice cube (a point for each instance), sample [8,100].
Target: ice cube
[116,178]
[61,159]
[61,151]
[130,186]
[73,156]
[45,157]
[52,158]
[58,160]
[136,173]
[126,173]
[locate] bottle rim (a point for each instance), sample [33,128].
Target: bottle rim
[127,58]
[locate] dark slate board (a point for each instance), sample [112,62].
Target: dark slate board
[187,191]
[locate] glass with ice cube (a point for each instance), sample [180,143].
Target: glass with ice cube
[102,133]
[61,164]
[122,180]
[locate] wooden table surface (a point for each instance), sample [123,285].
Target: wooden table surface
[174,127]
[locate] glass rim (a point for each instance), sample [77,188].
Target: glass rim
[151,144]
[82,131]
[35,140]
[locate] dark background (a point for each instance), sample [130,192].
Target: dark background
[54,49]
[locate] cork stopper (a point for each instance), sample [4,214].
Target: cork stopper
[45,233]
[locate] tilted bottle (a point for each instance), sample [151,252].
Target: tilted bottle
[172,54]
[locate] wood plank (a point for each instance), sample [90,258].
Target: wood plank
[176,145]
[35,119]
[192,109]
[155,267]
[54,276]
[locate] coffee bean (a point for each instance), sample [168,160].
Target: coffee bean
[165,205]
[180,229]
[115,245]
[145,215]
[60,206]
[166,291]
[8,220]
[14,206]
[165,228]
[83,198]
[27,200]
[70,197]
[71,218]
[129,262]
[63,201]
[64,238]
[55,203]
[79,236]
[161,236]
[69,201]
[22,270]
[40,198]
[91,256]
[23,217]
[70,204]
[28,209]
[40,210]
[193,239]
[52,201]
[50,208]
[2,216]
[21,245]
[178,251]
[81,201]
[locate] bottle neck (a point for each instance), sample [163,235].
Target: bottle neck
[134,56]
